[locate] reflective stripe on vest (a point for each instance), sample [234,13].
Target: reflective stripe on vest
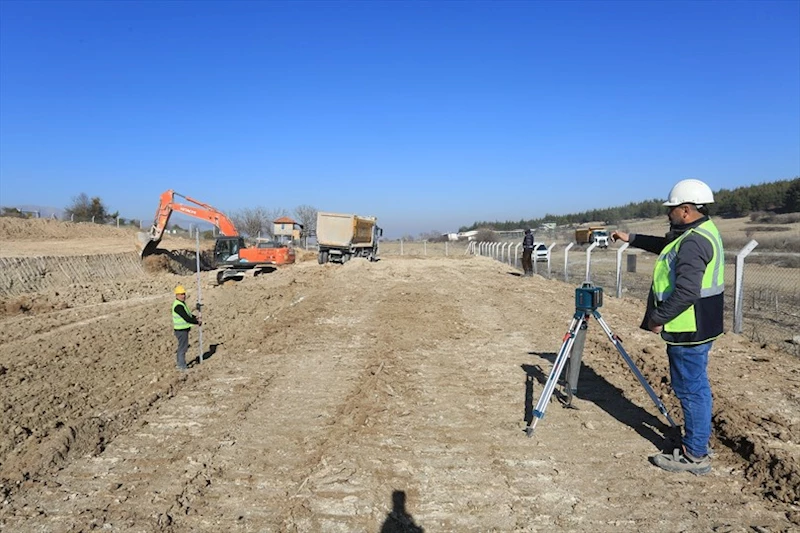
[177,320]
[713,278]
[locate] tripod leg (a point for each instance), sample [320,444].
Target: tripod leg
[558,367]
[636,372]
[574,363]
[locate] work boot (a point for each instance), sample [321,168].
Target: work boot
[681,461]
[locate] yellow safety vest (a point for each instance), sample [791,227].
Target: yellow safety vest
[177,320]
[701,322]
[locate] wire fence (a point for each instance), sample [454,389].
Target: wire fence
[762,289]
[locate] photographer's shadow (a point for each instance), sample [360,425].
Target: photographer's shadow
[594,388]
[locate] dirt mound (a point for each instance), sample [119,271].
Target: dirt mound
[301,255]
[182,262]
[29,304]
[44,228]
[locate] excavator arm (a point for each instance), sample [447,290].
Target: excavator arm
[194,208]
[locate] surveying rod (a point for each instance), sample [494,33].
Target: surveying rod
[199,298]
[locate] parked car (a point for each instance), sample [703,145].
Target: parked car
[540,252]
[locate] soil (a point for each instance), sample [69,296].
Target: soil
[374,397]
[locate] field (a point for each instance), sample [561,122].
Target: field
[388,396]
[771,275]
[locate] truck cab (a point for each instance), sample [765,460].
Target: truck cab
[600,237]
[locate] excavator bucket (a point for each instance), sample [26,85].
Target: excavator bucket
[147,245]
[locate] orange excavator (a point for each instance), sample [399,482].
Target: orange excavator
[231,254]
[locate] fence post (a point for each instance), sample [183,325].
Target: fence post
[619,268]
[424,247]
[549,253]
[117,221]
[589,261]
[566,261]
[445,249]
[738,288]
[516,255]
[401,246]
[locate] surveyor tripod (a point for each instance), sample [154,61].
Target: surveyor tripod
[587,299]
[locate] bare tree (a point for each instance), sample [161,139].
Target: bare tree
[486,235]
[433,236]
[85,209]
[307,216]
[252,221]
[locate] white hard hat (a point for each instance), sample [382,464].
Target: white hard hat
[690,191]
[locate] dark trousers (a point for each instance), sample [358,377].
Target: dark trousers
[183,344]
[527,264]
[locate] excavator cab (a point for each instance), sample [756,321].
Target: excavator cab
[226,250]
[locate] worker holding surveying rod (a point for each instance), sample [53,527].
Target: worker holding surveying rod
[685,306]
[182,320]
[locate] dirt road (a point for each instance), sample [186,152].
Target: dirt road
[373,397]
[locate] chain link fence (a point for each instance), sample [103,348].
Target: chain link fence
[762,288]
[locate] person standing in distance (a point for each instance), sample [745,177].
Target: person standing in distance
[527,250]
[182,320]
[685,306]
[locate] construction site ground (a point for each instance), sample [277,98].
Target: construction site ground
[365,397]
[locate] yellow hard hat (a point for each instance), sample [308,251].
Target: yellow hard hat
[180,290]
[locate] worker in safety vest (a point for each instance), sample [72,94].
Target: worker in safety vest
[182,320]
[685,306]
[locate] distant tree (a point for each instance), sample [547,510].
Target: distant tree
[85,209]
[252,222]
[486,235]
[778,196]
[433,236]
[307,216]
[792,201]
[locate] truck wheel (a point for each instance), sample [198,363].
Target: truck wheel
[345,258]
[323,258]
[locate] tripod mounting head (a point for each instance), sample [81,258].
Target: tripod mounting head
[588,297]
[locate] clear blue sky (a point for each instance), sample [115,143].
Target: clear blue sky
[429,115]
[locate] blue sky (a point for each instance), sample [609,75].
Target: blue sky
[429,115]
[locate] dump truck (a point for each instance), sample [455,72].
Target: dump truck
[592,234]
[343,236]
